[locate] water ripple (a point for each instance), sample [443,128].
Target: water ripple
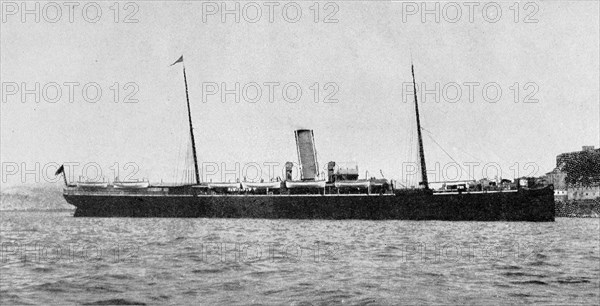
[120,261]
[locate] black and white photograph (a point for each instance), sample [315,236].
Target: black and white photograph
[303,152]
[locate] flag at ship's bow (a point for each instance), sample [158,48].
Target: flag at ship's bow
[180,60]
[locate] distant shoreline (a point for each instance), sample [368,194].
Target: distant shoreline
[38,210]
[580,217]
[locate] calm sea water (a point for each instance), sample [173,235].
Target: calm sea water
[53,258]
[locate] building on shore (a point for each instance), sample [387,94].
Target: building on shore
[576,181]
[576,176]
[562,160]
[583,192]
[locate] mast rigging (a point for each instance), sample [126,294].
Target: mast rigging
[187,97]
[421,152]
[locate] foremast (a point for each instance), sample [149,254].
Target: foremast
[187,97]
[424,181]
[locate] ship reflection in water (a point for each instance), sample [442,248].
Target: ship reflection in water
[340,195]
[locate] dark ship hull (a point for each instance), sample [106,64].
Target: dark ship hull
[521,205]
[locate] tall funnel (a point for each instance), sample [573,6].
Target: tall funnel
[307,154]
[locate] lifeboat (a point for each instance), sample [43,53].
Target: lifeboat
[261,185]
[131,184]
[379,182]
[304,184]
[352,184]
[92,184]
[223,185]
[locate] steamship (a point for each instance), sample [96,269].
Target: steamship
[339,195]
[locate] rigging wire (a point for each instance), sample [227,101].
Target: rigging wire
[430,135]
[411,181]
[502,173]
[176,173]
[448,154]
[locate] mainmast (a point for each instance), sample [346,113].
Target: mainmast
[187,97]
[421,152]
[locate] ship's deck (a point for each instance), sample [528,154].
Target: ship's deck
[156,194]
[166,192]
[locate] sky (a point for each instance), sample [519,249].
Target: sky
[542,56]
